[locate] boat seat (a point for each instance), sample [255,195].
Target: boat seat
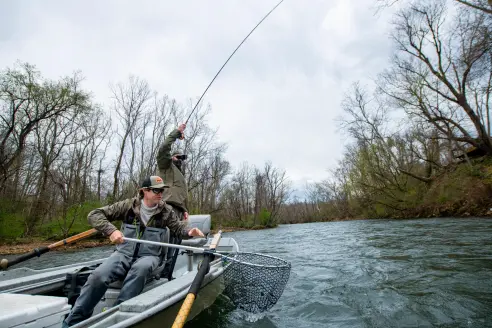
[194,242]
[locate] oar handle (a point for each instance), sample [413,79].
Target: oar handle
[4,264]
[215,241]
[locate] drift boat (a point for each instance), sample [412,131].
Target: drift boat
[42,298]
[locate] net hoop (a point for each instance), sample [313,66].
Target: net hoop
[282,263]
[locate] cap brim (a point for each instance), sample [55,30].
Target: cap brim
[160,185]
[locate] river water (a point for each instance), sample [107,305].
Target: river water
[368,273]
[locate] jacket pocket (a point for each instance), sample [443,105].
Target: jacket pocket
[127,247]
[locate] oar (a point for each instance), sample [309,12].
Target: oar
[195,285]
[4,264]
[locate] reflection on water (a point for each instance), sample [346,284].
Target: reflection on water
[373,273]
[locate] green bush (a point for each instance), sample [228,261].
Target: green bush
[12,219]
[265,217]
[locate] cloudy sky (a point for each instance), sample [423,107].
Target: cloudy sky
[277,98]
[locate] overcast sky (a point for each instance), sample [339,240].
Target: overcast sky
[277,98]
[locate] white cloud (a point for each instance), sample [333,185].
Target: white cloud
[340,20]
[275,100]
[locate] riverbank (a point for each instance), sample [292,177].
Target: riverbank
[24,246]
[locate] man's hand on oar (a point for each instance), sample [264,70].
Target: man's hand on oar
[116,237]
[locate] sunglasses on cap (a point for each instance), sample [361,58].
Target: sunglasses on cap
[156,190]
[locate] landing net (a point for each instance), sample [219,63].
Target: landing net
[254,282]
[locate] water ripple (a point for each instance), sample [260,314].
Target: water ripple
[372,273]
[376,273]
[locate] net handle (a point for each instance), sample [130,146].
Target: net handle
[188,248]
[203,251]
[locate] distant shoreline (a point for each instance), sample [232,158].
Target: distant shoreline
[27,246]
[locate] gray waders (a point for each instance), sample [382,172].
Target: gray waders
[116,267]
[172,253]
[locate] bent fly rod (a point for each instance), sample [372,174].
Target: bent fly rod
[203,94]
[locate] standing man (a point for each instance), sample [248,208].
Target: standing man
[143,217]
[171,168]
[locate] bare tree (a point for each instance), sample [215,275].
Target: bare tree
[277,191]
[212,175]
[51,138]
[96,128]
[367,122]
[481,5]
[260,193]
[26,100]
[162,110]
[238,198]
[434,62]
[129,105]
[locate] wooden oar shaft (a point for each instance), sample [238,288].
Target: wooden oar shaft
[4,264]
[185,309]
[74,238]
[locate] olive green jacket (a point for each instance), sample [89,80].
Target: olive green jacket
[177,193]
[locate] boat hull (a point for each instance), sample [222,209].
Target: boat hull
[207,296]
[156,306]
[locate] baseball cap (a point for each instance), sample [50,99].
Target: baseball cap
[153,181]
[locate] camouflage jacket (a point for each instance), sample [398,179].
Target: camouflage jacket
[128,211]
[177,193]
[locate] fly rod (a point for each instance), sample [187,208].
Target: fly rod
[203,94]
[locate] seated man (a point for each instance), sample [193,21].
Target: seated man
[143,217]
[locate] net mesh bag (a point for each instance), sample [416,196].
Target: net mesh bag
[254,282]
